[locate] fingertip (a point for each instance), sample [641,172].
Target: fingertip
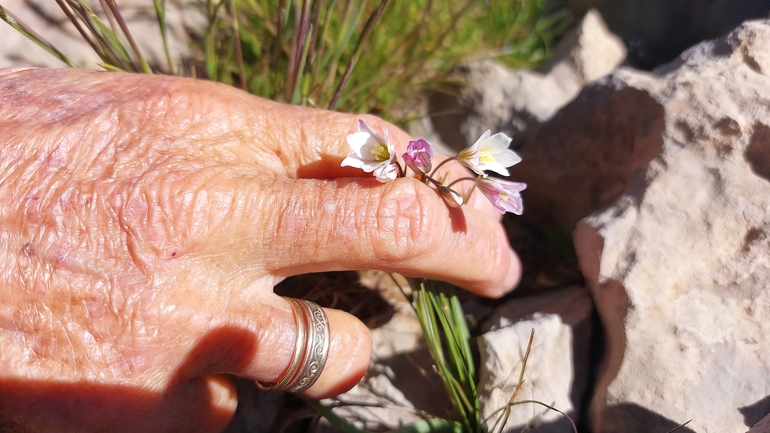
[499,268]
[349,354]
[513,276]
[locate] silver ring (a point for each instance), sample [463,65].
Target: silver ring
[310,351]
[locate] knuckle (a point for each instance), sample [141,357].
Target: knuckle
[172,212]
[405,222]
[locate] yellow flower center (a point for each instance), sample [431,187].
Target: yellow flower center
[502,195]
[485,156]
[380,152]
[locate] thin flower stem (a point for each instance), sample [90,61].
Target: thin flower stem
[679,426]
[314,27]
[572,423]
[435,169]
[109,16]
[299,52]
[111,49]
[472,179]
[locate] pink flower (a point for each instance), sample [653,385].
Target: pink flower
[372,153]
[418,156]
[504,195]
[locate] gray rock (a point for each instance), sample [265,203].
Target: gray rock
[679,264]
[513,101]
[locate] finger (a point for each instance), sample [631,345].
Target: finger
[403,226]
[316,139]
[272,322]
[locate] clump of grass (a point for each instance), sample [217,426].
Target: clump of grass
[449,341]
[366,56]
[330,53]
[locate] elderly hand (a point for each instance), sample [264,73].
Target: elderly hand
[143,223]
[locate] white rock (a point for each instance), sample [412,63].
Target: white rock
[587,53]
[47,19]
[400,385]
[583,158]
[547,377]
[679,265]
[575,309]
[513,101]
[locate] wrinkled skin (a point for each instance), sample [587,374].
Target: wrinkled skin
[143,224]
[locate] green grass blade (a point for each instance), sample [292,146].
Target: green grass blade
[337,421]
[160,14]
[143,65]
[357,51]
[25,30]
[434,425]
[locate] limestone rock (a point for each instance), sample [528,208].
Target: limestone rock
[514,101]
[581,160]
[563,325]
[547,377]
[400,385]
[46,18]
[587,53]
[679,264]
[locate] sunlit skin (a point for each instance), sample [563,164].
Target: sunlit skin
[144,221]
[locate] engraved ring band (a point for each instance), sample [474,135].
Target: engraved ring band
[310,351]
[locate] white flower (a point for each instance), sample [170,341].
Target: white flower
[372,153]
[489,153]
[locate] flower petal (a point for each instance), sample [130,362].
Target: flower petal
[495,167]
[497,141]
[358,141]
[386,172]
[352,160]
[507,158]
[504,195]
[365,127]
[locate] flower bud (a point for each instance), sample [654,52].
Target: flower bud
[418,156]
[451,197]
